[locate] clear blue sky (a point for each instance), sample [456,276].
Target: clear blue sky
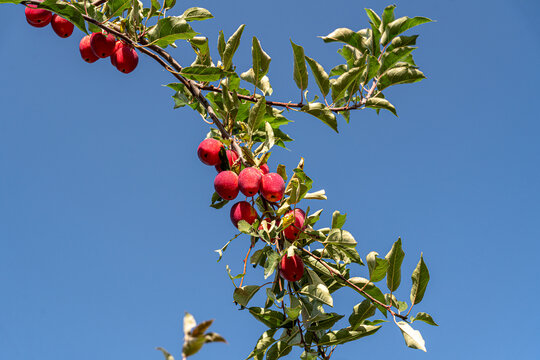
[106,237]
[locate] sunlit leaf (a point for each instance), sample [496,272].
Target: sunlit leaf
[420,279]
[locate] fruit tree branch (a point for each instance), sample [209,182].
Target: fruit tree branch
[355,287]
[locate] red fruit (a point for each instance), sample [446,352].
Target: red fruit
[37,17]
[291,268]
[292,231]
[117,46]
[86,51]
[38,25]
[249,181]
[102,46]
[226,185]
[126,59]
[272,187]
[265,169]
[208,151]
[61,26]
[231,156]
[243,211]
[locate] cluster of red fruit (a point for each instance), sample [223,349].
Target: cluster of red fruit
[99,45]
[41,18]
[92,47]
[251,181]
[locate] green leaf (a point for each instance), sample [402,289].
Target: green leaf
[270,318]
[217,201]
[115,8]
[66,11]
[213,337]
[390,58]
[201,328]
[169,4]
[243,294]
[323,113]
[380,103]
[371,290]
[196,14]
[345,254]
[338,70]
[256,115]
[377,267]
[395,258]
[420,279]
[318,292]
[202,73]
[340,237]
[265,340]
[361,312]
[245,227]
[261,60]
[400,75]
[192,346]
[278,350]
[300,70]
[375,19]
[401,25]
[371,69]
[165,353]
[413,338]
[201,48]
[170,29]
[11,1]
[342,83]
[263,83]
[293,312]
[402,41]
[387,16]
[230,47]
[221,44]
[345,335]
[402,306]
[321,77]
[324,321]
[338,220]
[425,317]
[319,268]
[271,264]
[309,355]
[346,36]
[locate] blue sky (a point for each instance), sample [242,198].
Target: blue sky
[106,237]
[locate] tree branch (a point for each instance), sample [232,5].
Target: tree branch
[355,287]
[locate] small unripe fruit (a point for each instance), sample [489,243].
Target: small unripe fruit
[226,185]
[126,59]
[272,187]
[101,45]
[208,151]
[86,51]
[37,17]
[243,211]
[249,181]
[265,169]
[291,268]
[292,231]
[61,26]
[231,156]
